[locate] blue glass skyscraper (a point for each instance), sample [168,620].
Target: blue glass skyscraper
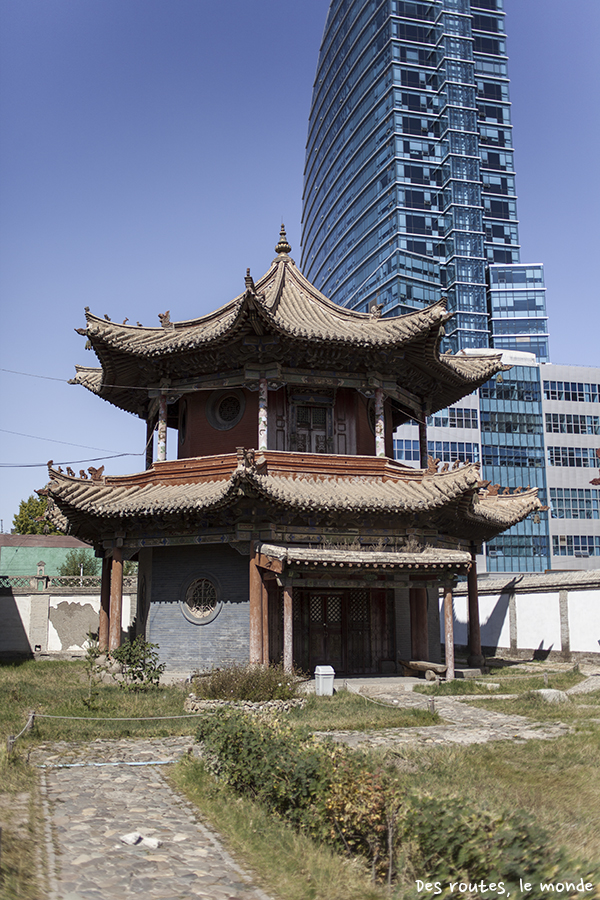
[409,182]
[409,195]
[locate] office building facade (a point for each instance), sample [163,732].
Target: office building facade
[409,188]
[410,195]
[538,425]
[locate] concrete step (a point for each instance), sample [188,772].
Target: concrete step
[460,672]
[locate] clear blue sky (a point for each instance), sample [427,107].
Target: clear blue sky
[149,150]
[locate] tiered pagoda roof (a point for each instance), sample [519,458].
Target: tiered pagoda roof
[280,323]
[314,487]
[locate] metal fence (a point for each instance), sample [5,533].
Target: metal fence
[52,582]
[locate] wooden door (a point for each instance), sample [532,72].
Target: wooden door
[326,644]
[311,429]
[352,630]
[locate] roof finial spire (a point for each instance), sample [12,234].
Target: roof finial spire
[282,246]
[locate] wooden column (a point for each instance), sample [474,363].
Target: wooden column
[263,414]
[116,599]
[288,627]
[379,423]
[256,619]
[104,619]
[475,657]
[449,630]
[149,442]
[161,454]
[264,597]
[419,639]
[423,452]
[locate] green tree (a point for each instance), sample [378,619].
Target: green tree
[80,562]
[30,518]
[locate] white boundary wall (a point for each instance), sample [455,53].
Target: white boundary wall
[54,623]
[557,613]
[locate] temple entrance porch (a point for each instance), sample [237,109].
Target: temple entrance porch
[351,629]
[359,611]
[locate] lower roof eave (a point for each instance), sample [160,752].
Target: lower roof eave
[427,558]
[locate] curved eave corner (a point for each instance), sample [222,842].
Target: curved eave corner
[89,377]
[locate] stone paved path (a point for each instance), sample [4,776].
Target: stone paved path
[92,805]
[97,791]
[467,724]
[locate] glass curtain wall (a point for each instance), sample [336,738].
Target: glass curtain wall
[409,195]
[409,185]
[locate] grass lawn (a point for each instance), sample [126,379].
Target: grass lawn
[509,681]
[58,688]
[346,711]
[556,781]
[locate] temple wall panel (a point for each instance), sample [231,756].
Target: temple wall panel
[278,420]
[584,620]
[402,623]
[202,438]
[187,644]
[365,437]
[345,422]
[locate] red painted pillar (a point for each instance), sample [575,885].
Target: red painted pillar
[423,452]
[149,442]
[256,619]
[116,599]
[104,619]
[288,628]
[264,596]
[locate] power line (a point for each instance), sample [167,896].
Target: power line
[124,387]
[56,441]
[71,462]
[29,375]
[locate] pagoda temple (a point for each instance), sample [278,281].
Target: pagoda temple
[284,530]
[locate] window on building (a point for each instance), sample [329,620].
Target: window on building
[565,423]
[518,457]
[454,418]
[573,457]
[406,451]
[576,392]
[574,503]
[451,451]
[578,545]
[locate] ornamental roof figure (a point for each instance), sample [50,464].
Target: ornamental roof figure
[283,323]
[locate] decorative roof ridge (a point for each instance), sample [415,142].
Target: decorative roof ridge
[342,312]
[109,327]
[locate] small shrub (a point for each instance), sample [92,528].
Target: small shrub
[139,661]
[343,798]
[251,682]
[322,788]
[451,842]
[92,671]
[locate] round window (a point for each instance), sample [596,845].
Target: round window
[201,598]
[225,409]
[229,408]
